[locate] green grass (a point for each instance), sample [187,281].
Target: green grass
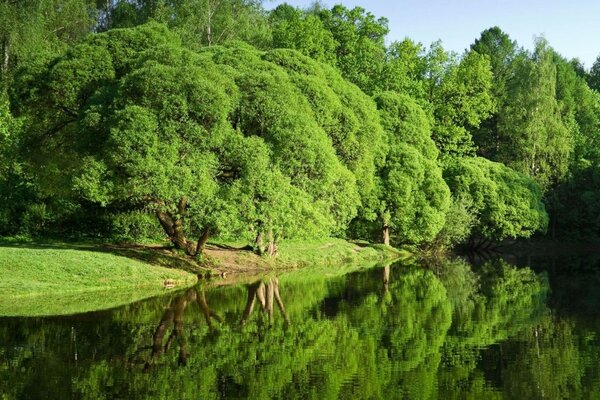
[332,252]
[66,278]
[45,280]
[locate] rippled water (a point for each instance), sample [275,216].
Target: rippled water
[447,331]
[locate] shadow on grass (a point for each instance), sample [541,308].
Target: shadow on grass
[156,255]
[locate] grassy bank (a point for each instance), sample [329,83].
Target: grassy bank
[66,278]
[50,280]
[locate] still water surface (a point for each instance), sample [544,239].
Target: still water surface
[447,331]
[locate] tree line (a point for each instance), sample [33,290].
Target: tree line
[195,118]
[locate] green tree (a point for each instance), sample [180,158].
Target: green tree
[130,120]
[460,93]
[198,22]
[535,139]
[302,31]
[360,44]
[414,197]
[404,70]
[508,204]
[594,75]
[33,30]
[501,51]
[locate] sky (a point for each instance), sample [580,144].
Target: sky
[572,27]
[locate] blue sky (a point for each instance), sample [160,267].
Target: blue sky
[572,27]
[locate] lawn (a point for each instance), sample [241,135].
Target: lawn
[44,280]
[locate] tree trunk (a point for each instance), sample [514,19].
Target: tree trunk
[279,301]
[386,234]
[5,57]
[258,242]
[386,278]
[173,226]
[202,242]
[272,248]
[250,302]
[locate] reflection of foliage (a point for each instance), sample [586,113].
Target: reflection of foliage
[421,336]
[557,370]
[492,305]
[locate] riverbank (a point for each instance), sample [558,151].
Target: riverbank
[63,278]
[224,258]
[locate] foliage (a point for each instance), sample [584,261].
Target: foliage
[536,141]
[130,119]
[414,197]
[191,122]
[461,97]
[507,203]
[295,29]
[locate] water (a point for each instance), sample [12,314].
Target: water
[450,331]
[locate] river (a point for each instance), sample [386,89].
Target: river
[524,329]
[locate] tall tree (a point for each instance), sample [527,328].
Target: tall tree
[131,120]
[594,76]
[33,30]
[360,38]
[508,204]
[198,22]
[302,31]
[405,69]
[414,197]
[501,51]
[460,93]
[534,137]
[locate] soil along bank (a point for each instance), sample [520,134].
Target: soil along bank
[233,258]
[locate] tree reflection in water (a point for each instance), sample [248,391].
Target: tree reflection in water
[174,315]
[266,291]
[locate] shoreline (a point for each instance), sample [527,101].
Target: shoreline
[60,278]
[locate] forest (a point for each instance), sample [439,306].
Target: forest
[198,119]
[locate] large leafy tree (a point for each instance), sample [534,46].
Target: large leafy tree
[414,197]
[508,204]
[228,140]
[460,93]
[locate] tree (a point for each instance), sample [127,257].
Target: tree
[594,75]
[14,193]
[414,197]
[360,46]
[501,51]
[508,203]
[302,31]
[534,138]
[33,30]
[130,120]
[198,22]
[348,116]
[460,93]
[404,70]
